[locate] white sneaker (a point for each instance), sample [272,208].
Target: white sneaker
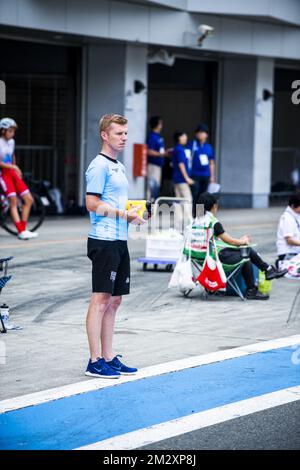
[27,235]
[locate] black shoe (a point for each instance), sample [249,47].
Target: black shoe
[254,294]
[274,273]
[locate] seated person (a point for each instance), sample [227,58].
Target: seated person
[288,232]
[229,255]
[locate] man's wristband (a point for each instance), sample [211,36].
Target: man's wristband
[121,214]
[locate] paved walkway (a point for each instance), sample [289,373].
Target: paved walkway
[50,291]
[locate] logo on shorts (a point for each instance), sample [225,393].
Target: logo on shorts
[113,276]
[127,280]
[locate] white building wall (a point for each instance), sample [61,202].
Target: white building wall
[245,129]
[282,11]
[150,24]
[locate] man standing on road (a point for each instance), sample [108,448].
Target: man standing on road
[156,157]
[181,171]
[106,199]
[203,164]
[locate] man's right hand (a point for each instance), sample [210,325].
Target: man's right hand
[133,217]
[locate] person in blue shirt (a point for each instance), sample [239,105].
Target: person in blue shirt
[181,161]
[106,197]
[203,163]
[156,156]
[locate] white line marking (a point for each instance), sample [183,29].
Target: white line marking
[177,427]
[159,369]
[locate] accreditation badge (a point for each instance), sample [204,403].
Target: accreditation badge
[203,159]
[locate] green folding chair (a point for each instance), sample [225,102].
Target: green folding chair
[198,257]
[232,271]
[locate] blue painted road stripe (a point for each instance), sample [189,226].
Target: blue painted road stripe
[83,419]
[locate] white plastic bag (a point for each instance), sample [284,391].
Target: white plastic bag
[174,281]
[213,188]
[185,281]
[182,276]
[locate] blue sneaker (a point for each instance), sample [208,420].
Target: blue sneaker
[117,365]
[101,369]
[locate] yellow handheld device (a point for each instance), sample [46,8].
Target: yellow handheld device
[144,210]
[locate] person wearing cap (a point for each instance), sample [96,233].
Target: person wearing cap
[288,232]
[156,156]
[230,255]
[203,163]
[11,179]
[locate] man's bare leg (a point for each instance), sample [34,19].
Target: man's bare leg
[13,206]
[108,325]
[98,305]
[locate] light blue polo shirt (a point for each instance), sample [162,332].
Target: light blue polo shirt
[106,178]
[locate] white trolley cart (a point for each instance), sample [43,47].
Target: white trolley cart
[164,243]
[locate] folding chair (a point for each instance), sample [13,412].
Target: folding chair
[232,272]
[4,279]
[197,251]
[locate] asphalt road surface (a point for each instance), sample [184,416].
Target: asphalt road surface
[274,429]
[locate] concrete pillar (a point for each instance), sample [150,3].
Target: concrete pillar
[263,134]
[109,75]
[136,112]
[104,89]
[103,78]
[246,132]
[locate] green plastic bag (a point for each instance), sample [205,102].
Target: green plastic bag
[264,286]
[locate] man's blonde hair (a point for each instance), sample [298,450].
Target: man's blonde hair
[108,119]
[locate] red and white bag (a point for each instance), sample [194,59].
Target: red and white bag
[212,276]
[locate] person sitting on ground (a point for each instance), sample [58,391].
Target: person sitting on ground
[233,256]
[11,179]
[288,232]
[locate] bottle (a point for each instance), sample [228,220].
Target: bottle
[4,312]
